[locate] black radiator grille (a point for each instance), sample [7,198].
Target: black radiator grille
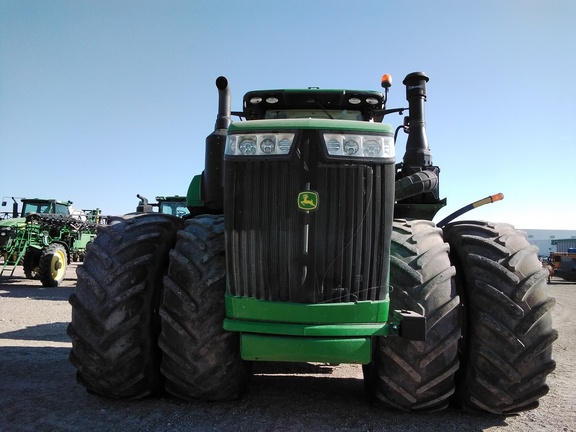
[337,253]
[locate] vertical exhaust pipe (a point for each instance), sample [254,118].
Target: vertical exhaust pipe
[14,208]
[417,154]
[223,119]
[213,176]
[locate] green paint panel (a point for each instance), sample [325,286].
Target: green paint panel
[193,198]
[320,124]
[333,330]
[246,308]
[297,349]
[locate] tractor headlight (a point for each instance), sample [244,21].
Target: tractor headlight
[259,144]
[351,147]
[247,146]
[362,146]
[268,145]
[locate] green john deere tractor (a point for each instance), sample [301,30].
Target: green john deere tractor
[45,237]
[308,242]
[175,205]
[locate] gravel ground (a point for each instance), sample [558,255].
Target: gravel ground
[38,389]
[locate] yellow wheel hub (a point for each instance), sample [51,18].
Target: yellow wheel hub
[58,267]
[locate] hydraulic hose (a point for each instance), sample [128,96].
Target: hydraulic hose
[472,206]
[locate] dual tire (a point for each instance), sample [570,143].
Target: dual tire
[115,318]
[201,361]
[489,325]
[150,299]
[418,375]
[506,350]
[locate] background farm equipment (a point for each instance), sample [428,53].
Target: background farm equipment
[15,219]
[173,205]
[563,264]
[46,238]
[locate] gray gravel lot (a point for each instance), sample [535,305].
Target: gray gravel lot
[38,389]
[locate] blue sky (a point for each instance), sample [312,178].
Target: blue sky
[101,100]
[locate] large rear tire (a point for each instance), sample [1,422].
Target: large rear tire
[53,264]
[115,322]
[507,346]
[201,361]
[418,375]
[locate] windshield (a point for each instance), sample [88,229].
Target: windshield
[35,207]
[44,207]
[174,209]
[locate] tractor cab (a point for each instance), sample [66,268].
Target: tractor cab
[172,205]
[45,206]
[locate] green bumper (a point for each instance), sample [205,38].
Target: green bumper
[331,333]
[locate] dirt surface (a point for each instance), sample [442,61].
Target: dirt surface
[38,389]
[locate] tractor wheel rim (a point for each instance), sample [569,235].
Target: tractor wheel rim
[58,265]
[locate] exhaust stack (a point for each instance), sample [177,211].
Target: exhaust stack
[213,181]
[223,119]
[14,208]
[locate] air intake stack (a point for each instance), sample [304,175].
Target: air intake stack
[417,156]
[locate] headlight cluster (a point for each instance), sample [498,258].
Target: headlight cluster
[259,144]
[365,146]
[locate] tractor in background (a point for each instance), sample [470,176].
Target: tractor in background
[45,237]
[173,205]
[308,241]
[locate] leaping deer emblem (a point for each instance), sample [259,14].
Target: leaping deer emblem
[308,200]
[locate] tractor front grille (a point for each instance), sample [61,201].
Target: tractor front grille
[337,253]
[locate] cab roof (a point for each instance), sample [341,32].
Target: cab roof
[258,102]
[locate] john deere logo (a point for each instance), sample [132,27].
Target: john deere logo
[308,200]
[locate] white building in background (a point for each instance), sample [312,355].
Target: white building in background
[546,239]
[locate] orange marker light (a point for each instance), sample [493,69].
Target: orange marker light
[386,81]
